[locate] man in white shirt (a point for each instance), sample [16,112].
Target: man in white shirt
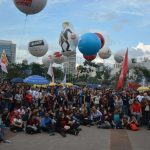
[140,97]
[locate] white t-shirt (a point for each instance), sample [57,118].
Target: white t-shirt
[97,98]
[139,97]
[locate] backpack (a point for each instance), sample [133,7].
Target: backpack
[133,127]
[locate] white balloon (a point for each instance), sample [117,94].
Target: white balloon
[119,56]
[38,48]
[105,53]
[68,40]
[47,60]
[58,58]
[30,7]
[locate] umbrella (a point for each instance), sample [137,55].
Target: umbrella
[17,80]
[143,88]
[35,79]
[52,84]
[40,86]
[69,84]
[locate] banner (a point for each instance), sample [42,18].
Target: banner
[4,62]
[4,59]
[51,73]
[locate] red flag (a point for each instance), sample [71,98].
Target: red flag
[124,72]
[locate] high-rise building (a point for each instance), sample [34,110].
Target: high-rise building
[70,65]
[10,50]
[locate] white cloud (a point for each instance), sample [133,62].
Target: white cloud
[52,2]
[143,47]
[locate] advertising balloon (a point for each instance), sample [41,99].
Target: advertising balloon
[119,56]
[89,44]
[105,53]
[58,58]
[38,48]
[90,58]
[68,39]
[30,7]
[47,60]
[101,39]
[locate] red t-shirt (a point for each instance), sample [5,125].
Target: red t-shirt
[136,108]
[28,98]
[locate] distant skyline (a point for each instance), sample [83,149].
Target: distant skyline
[124,23]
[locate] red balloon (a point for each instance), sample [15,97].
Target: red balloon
[101,38]
[90,58]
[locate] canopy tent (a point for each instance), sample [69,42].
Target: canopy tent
[52,84]
[35,79]
[68,84]
[40,86]
[143,88]
[17,80]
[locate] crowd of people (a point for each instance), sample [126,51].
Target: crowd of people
[65,109]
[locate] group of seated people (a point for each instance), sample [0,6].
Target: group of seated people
[65,111]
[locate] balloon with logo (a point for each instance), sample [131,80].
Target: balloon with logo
[89,44]
[47,60]
[101,37]
[119,56]
[58,58]
[68,39]
[90,58]
[105,53]
[38,48]
[30,7]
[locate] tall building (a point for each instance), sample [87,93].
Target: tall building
[70,65]
[10,50]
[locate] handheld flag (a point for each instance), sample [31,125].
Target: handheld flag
[124,72]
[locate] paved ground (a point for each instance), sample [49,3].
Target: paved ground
[88,139]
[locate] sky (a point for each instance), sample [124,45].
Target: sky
[124,24]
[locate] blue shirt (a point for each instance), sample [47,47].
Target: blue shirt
[46,122]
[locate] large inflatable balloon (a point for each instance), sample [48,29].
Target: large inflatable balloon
[38,48]
[68,39]
[58,58]
[101,37]
[105,53]
[90,58]
[30,7]
[119,56]
[89,44]
[47,60]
